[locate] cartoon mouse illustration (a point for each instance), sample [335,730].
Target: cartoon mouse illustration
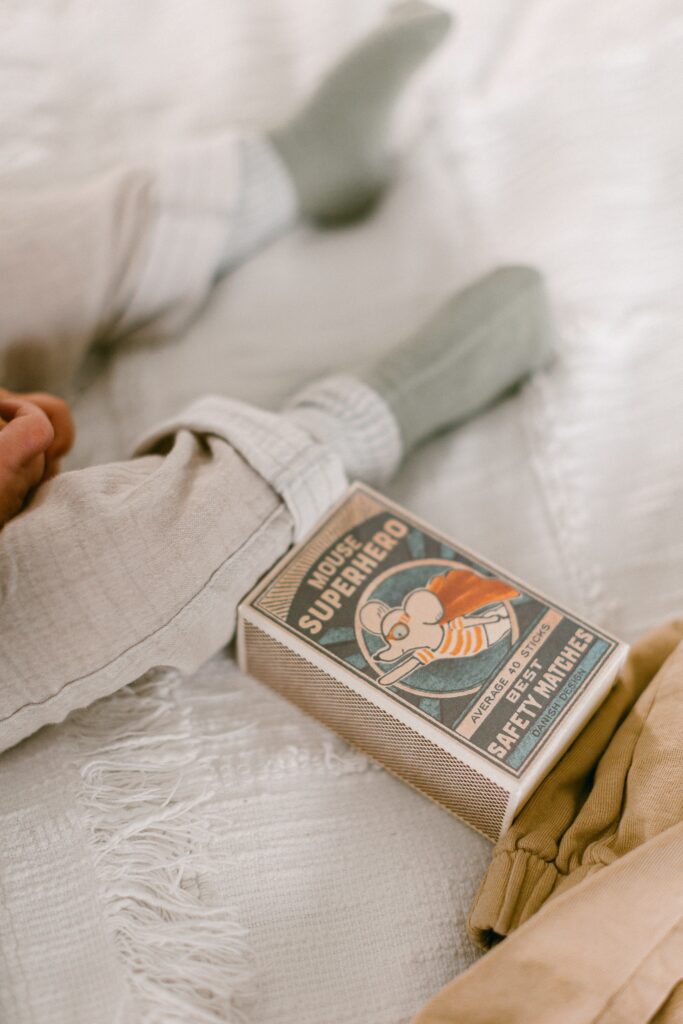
[438,621]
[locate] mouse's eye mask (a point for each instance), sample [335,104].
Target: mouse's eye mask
[398,632]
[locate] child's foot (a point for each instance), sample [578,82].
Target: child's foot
[482,342]
[478,345]
[337,148]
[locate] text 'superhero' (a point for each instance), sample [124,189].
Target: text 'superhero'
[440,621]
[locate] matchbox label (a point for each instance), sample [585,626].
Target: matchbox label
[488,660]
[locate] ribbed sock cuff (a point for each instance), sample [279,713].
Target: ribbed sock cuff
[347,416]
[195,189]
[216,201]
[265,205]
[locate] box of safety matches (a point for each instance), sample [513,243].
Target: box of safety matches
[451,673]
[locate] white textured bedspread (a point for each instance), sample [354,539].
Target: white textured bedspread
[242,862]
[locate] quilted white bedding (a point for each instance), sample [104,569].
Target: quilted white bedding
[548,134]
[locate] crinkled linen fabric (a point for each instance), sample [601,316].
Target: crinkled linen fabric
[120,568]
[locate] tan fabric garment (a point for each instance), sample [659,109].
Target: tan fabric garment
[603,836]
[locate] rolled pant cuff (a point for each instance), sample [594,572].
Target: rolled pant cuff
[309,477]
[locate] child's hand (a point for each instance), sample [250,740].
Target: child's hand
[35,431]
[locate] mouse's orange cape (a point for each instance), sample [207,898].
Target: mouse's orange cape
[462,592]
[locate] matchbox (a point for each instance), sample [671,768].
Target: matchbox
[450,672]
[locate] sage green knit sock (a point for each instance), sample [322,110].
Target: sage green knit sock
[478,345]
[482,342]
[337,148]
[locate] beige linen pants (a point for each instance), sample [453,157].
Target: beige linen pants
[119,568]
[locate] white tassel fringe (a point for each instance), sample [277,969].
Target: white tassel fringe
[146,787]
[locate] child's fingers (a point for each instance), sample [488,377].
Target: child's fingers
[27,433]
[59,414]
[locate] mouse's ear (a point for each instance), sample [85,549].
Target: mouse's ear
[424,606]
[371,615]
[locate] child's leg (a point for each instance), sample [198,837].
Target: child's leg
[116,569]
[137,250]
[134,250]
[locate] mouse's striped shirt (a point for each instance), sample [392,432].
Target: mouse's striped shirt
[460,640]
